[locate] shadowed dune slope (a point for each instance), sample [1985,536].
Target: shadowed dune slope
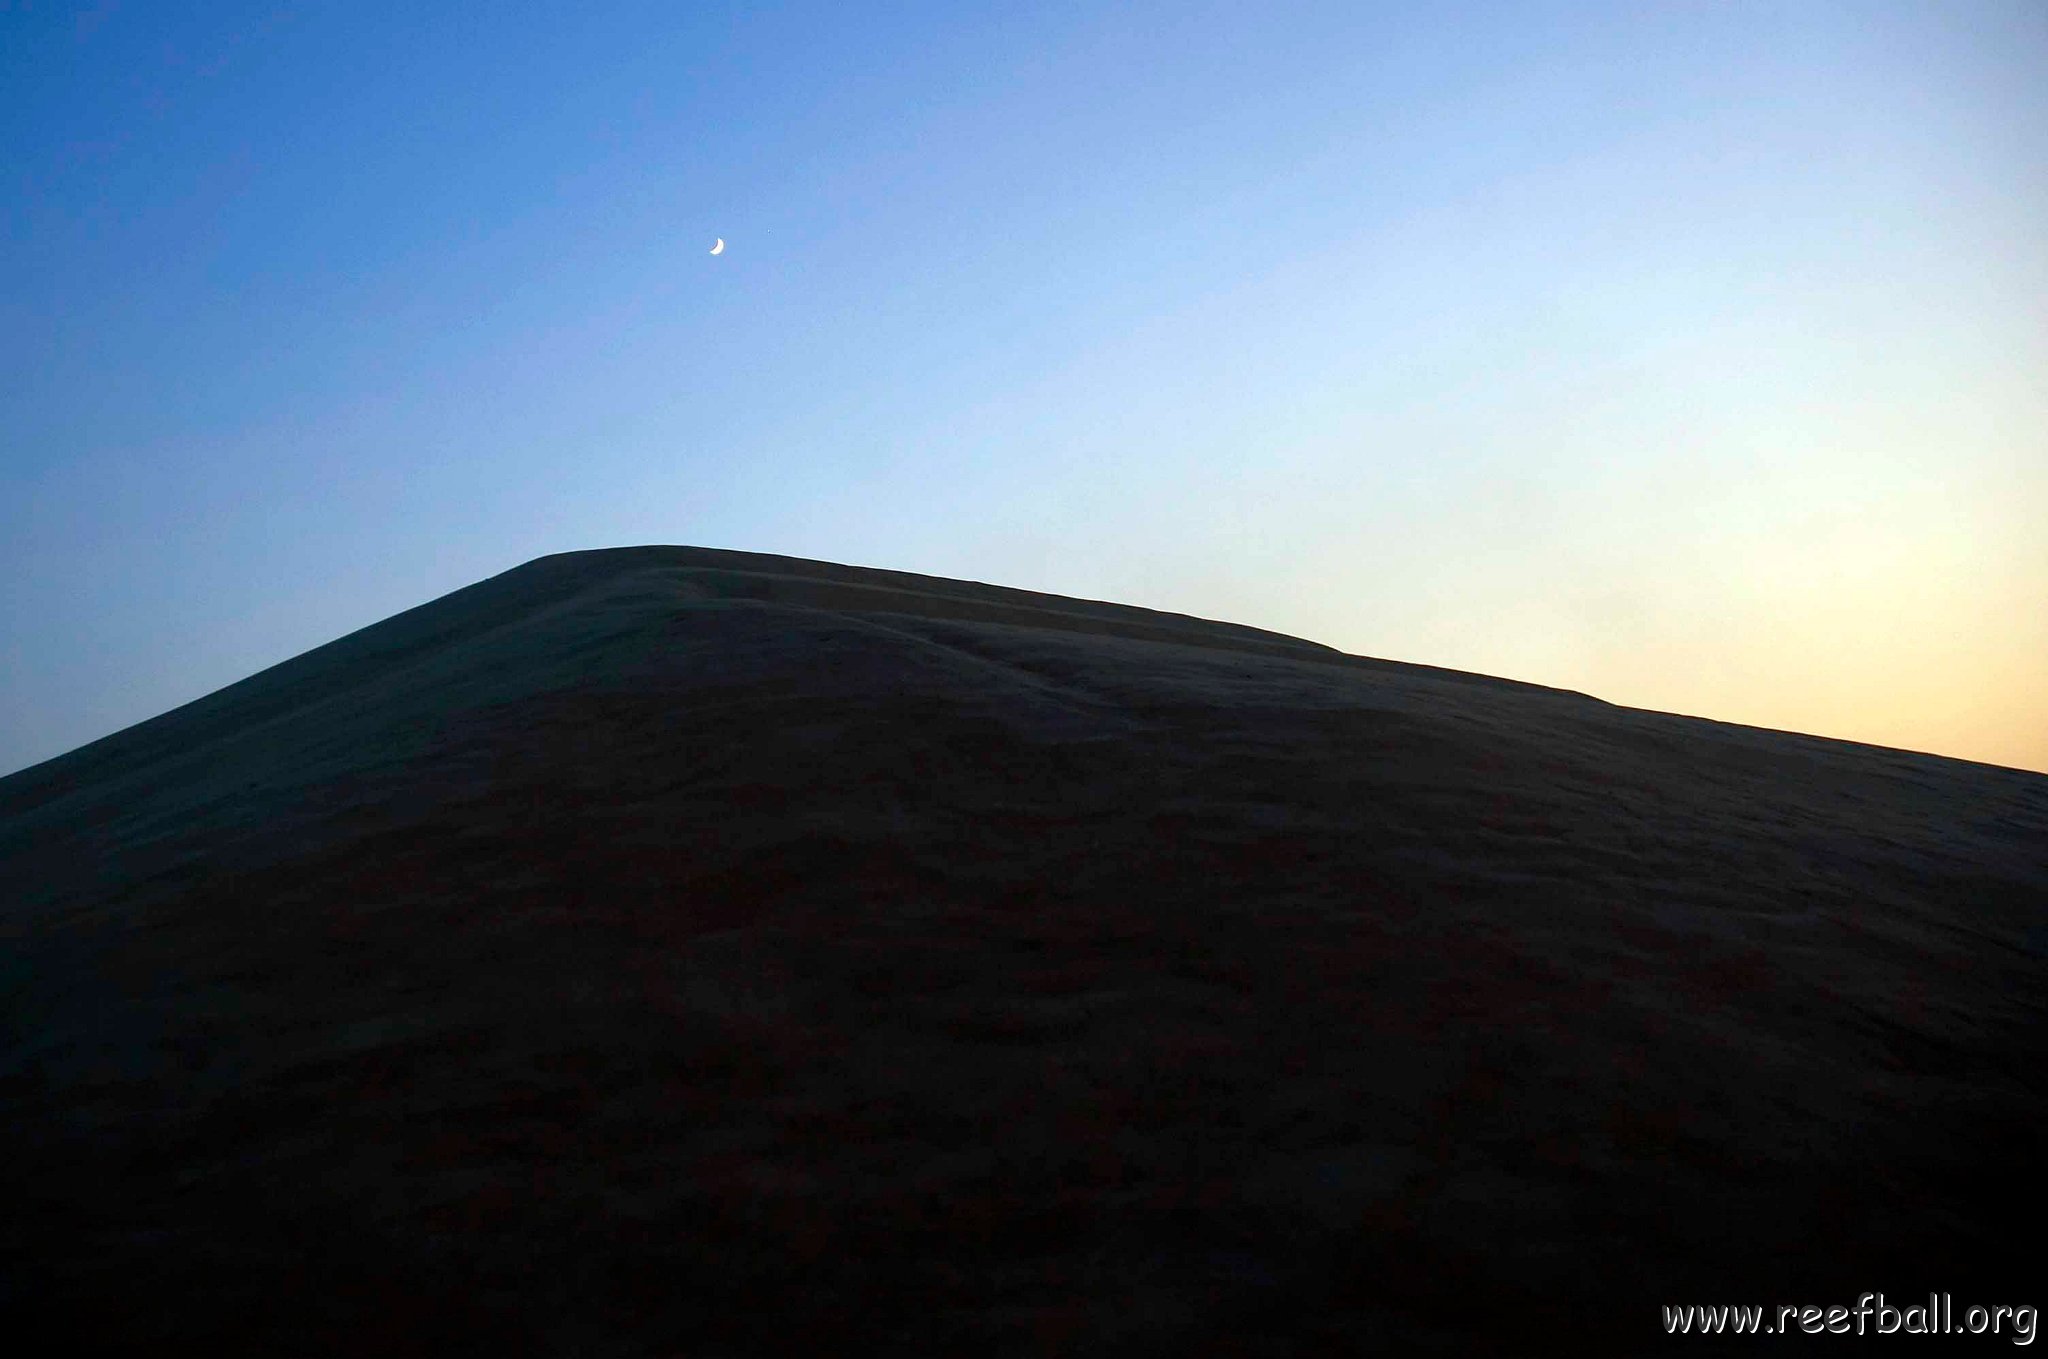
[665,951]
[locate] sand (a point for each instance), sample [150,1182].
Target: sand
[665,951]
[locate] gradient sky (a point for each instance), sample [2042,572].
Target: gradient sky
[1694,355]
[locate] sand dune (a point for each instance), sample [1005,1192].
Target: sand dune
[665,951]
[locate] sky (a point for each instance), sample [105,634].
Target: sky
[1691,355]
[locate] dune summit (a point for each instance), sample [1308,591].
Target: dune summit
[664,951]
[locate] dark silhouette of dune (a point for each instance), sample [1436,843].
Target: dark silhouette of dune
[665,951]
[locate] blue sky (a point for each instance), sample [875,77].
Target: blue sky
[1687,354]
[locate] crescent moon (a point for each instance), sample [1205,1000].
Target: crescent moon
[720,247]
